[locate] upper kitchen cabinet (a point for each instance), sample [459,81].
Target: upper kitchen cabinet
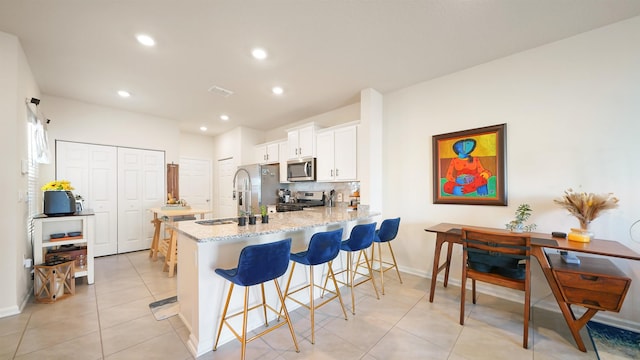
[268,153]
[284,147]
[337,158]
[302,141]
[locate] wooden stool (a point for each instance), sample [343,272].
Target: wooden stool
[155,243]
[169,249]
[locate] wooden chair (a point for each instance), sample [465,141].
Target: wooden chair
[499,258]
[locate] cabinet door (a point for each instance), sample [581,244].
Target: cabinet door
[261,154]
[272,153]
[284,149]
[325,158]
[306,142]
[293,141]
[345,153]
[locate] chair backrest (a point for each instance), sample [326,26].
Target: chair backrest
[263,262]
[324,246]
[494,252]
[388,230]
[361,236]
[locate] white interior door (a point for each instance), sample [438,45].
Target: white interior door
[195,182]
[140,187]
[92,170]
[226,204]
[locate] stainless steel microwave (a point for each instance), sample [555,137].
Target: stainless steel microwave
[301,169]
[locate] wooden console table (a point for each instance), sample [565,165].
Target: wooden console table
[595,284]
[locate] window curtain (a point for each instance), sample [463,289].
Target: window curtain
[39,142]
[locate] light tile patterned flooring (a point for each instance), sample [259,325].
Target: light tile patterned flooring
[111,320]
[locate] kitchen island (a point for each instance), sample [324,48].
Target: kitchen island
[203,248]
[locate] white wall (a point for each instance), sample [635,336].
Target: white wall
[16,85]
[73,120]
[571,109]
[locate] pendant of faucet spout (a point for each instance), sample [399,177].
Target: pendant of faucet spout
[247,204]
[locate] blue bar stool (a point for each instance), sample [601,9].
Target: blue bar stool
[257,264]
[323,248]
[387,232]
[359,240]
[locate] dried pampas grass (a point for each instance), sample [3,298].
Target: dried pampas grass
[586,207]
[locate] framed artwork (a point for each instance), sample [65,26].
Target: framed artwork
[469,167]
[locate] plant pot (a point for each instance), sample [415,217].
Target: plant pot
[242,221]
[252,220]
[265,219]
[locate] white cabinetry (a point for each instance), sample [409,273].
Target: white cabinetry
[337,154]
[83,222]
[302,141]
[284,147]
[268,153]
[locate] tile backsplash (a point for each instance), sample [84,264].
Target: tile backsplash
[344,188]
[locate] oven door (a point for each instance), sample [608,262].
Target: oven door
[301,169]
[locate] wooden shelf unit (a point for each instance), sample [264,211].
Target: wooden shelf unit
[45,225]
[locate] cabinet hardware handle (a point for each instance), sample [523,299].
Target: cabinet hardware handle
[332,172]
[590,302]
[589,277]
[337,172]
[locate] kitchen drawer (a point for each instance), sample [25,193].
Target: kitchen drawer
[595,283]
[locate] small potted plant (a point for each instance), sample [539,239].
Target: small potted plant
[242,219]
[252,218]
[523,212]
[265,214]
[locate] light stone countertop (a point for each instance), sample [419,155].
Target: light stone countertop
[278,222]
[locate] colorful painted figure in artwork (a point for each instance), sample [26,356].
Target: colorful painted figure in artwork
[465,173]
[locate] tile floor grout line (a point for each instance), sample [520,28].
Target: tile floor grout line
[24,331]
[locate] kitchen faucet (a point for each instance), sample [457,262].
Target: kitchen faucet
[247,205]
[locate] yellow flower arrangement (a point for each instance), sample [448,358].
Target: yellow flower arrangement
[586,207]
[61,185]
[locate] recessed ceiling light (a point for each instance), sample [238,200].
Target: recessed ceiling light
[277,90]
[203,128]
[224,117]
[145,40]
[123,93]
[259,53]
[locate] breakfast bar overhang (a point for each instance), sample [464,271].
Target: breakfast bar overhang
[203,248]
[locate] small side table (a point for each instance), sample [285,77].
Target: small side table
[53,282]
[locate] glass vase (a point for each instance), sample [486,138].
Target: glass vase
[580,235]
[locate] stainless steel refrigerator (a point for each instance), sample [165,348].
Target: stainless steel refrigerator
[264,181]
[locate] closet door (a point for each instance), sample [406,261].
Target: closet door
[140,187]
[92,170]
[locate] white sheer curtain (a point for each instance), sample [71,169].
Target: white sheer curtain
[38,138]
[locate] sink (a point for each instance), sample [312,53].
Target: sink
[215,222]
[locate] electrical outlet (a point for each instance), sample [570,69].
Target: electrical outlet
[339,199]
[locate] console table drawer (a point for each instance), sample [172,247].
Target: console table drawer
[610,301]
[595,283]
[592,282]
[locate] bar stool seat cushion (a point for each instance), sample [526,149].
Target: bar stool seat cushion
[388,230]
[320,252]
[259,263]
[361,237]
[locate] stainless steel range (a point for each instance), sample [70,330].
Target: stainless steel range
[303,199]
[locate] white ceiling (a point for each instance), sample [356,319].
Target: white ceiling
[321,52]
